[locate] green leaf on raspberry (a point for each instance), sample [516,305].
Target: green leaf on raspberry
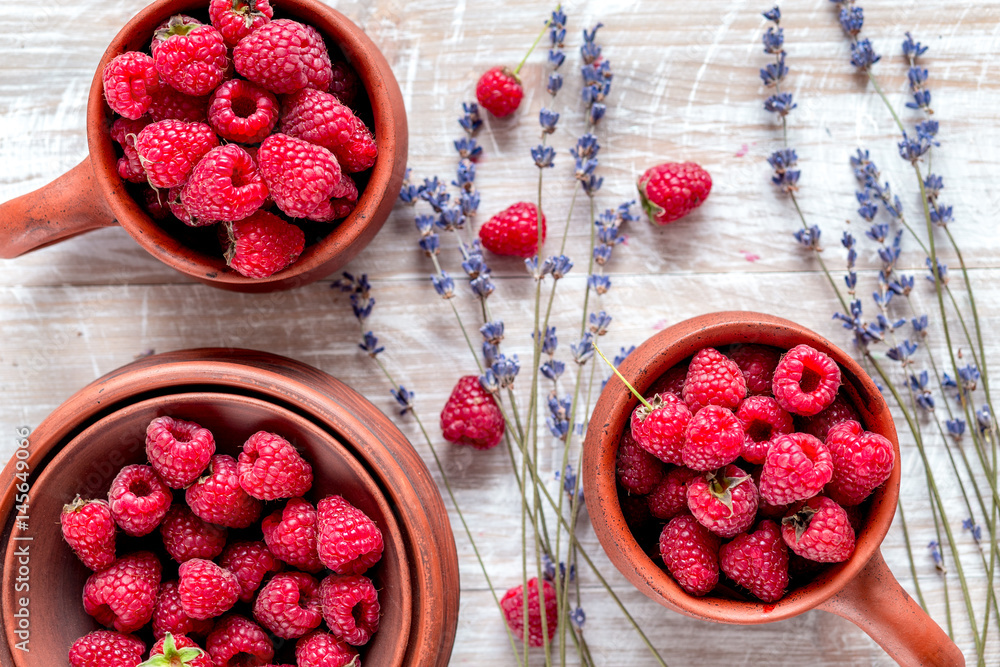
[722,488]
[800,520]
[172,656]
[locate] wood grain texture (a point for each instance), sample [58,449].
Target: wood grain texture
[685,88]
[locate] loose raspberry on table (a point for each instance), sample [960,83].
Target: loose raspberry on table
[242,112]
[713,438]
[763,420]
[347,540]
[757,362]
[89,529]
[862,461]
[321,649]
[300,176]
[820,424]
[138,499]
[820,531]
[758,561]
[170,104]
[350,607]
[205,589]
[320,118]
[797,467]
[713,379]
[262,244]
[189,56]
[669,497]
[660,431]
[512,605]
[185,536]
[250,562]
[217,496]
[236,19]
[290,534]
[344,83]
[289,605]
[637,470]
[237,641]
[499,91]
[270,468]
[169,616]
[284,56]
[691,553]
[342,201]
[105,648]
[471,415]
[129,82]
[805,381]
[513,231]
[671,190]
[724,501]
[179,651]
[169,150]
[224,186]
[123,595]
[178,450]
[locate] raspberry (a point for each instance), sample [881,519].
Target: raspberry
[320,118]
[123,595]
[130,171]
[805,381]
[513,231]
[350,607]
[191,57]
[713,438]
[762,420]
[138,499]
[471,415]
[638,471]
[660,431]
[321,649]
[87,527]
[499,92]
[290,534]
[205,589]
[185,536]
[262,244]
[240,640]
[217,497]
[672,381]
[671,190]
[170,104]
[242,112]
[862,461]
[157,209]
[270,468]
[169,616]
[797,467]
[169,150]
[691,553]
[300,176]
[512,605]
[713,379]
[820,424]
[129,81]
[342,201]
[236,19]
[171,651]
[250,562]
[224,186]
[124,131]
[757,362]
[725,502]
[820,531]
[289,605]
[344,83]
[178,450]
[669,497]
[104,648]
[347,540]
[758,561]
[284,56]
[635,511]
[181,213]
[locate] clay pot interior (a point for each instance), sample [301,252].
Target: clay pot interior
[87,465]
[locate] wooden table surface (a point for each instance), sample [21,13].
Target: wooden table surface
[686,87]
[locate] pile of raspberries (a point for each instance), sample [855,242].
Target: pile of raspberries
[754,463]
[220,586]
[244,123]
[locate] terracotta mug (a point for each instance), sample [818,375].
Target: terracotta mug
[862,589]
[92,195]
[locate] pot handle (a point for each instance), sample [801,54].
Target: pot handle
[70,205]
[876,603]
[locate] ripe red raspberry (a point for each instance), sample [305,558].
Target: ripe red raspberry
[284,56]
[757,362]
[178,450]
[262,244]
[169,616]
[342,201]
[270,468]
[242,112]
[672,381]
[191,57]
[205,589]
[671,190]
[660,431]
[862,461]
[289,605]
[797,467]
[512,605]
[758,561]
[513,231]
[321,118]
[177,209]
[185,536]
[169,150]
[157,208]
[237,641]
[172,104]
[713,379]
[714,438]
[217,497]
[123,595]
[820,424]
[87,527]
[236,19]
[347,540]
[300,176]
[725,501]
[104,648]
[350,607]
[471,415]
[321,649]
[638,471]
[138,499]
[178,651]
[344,83]
[669,497]
[763,420]
[691,553]
[499,91]
[129,81]
[124,131]
[250,562]
[805,381]
[224,186]
[290,534]
[820,531]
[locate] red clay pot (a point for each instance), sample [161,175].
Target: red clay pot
[861,590]
[92,195]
